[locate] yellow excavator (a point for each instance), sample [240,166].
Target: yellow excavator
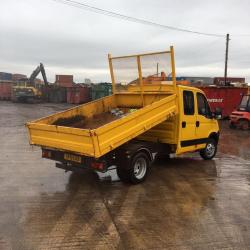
[27,90]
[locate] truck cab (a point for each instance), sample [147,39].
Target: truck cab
[197,124]
[23,92]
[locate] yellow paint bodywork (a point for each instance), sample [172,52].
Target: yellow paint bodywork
[99,141]
[158,121]
[171,131]
[206,128]
[158,118]
[36,92]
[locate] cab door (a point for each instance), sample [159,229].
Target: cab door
[187,123]
[204,120]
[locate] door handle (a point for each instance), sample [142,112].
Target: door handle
[183,124]
[197,124]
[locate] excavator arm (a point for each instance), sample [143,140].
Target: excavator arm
[36,72]
[43,74]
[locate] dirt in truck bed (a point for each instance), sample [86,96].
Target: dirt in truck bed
[94,122]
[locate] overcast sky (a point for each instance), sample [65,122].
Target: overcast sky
[70,40]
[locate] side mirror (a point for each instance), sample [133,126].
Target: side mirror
[203,111]
[217,114]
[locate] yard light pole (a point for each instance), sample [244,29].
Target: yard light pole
[226,59]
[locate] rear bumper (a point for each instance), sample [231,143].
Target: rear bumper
[69,167]
[82,162]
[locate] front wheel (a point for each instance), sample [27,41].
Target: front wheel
[232,125]
[137,170]
[210,150]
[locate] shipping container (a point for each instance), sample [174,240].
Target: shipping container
[55,94]
[199,80]
[5,76]
[16,77]
[78,95]
[64,80]
[226,98]
[219,81]
[100,90]
[5,90]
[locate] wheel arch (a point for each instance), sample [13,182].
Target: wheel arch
[144,150]
[244,119]
[214,136]
[126,153]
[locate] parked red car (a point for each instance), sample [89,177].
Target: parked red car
[240,118]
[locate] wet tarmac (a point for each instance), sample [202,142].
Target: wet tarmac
[186,203]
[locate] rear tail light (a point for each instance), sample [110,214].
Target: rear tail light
[46,154]
[98,165]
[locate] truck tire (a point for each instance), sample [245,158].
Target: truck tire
[137,171]
[244,124]
[210,150]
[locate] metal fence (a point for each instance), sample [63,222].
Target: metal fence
[141,69]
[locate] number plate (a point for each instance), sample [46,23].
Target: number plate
[74,158]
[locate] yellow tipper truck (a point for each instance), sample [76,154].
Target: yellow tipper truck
[147,115]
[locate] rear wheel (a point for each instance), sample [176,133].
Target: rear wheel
[244,124]
[210,150]
[137,171]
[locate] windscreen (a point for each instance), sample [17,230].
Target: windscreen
[151,67]
[244,103]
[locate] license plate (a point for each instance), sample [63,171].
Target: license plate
[75,158]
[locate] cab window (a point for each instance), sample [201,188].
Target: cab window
[245,103]
[203,107]
[188,102]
